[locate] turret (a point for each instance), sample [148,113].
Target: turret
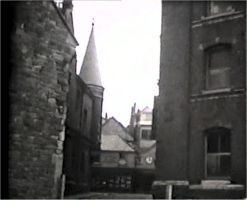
[90,74]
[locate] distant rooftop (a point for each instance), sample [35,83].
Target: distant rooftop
[147,143]
[111,126]
[114,143]
[147,110]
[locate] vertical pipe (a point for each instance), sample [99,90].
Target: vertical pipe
[62,186]
[169,191]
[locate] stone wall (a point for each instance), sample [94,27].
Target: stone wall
[41,50]
[77,148]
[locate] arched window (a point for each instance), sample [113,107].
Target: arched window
[218,66]
[217,153]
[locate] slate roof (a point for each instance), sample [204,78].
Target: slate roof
[147,143]
[114,143]
[147,110]
[110,129]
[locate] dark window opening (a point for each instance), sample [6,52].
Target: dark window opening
[218,61]
[218,153]
[146,134]
[85,116]
[121,156]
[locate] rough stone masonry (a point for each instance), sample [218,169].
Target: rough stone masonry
[42,46]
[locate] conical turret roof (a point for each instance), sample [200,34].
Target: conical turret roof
[90,73]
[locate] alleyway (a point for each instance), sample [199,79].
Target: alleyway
[94,195]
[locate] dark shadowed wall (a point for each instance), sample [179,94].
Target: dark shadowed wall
[202,87]
[172,113]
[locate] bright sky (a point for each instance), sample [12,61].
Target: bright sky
[127,35]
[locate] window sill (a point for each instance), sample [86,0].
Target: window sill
[216,181]
[212,17]
[227,186]
[223,90]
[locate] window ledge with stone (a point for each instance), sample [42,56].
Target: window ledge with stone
[217,186]
[218,18]
[217,92]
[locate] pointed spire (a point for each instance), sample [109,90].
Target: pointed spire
[90,73]
[93,22]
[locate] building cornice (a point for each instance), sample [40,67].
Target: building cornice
[217,94]
[218,18]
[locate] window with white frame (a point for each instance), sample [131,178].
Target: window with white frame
[218,153]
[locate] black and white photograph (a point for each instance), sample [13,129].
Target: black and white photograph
[123,99]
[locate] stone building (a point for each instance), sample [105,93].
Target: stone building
[39,51]
[83,124]
[201,107]
[114,127]
[145,147]
[115,152]
[115,169]
[140,126]
[54,116]
[90,74]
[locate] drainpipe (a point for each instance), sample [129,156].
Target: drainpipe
[169,191]
[63,186]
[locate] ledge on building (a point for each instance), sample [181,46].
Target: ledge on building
[216,185]
[216,91]
[170,182]
[212,17]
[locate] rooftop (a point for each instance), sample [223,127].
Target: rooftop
[114,143]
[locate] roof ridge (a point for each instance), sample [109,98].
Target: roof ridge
[125,142]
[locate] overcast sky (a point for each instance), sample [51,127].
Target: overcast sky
[127,35]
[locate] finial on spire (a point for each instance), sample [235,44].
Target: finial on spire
[93,22]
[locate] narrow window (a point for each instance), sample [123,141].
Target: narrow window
[85,116]
[84,121]
[218,67]
[218,153]
[146,134]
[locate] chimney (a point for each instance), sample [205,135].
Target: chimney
[132,119]
[67,11]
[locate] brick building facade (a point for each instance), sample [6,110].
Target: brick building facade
[201,108]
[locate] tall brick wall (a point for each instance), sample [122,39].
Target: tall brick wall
[41,51]
[219,109]
[187,107]
[172,113]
